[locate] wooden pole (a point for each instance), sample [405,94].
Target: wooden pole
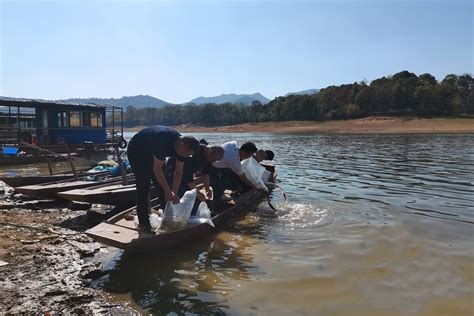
[121,118]
[70,161]
[18,125]
[48,160]
[113,126]
[121,165]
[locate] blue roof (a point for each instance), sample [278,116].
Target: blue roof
[6,101]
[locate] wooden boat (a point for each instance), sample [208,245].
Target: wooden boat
[50,190]
[120,231]
[18,181]
[108,194]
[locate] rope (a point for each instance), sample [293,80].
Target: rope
[268,196]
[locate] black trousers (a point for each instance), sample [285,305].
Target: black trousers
[142,166]
[225,178]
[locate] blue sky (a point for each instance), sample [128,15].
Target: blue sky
[179,50]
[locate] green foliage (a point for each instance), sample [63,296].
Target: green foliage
[403,93]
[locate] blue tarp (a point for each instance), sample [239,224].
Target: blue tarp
[10,150]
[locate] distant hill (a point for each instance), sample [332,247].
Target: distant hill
[138,101]
[309,91]
[231,98]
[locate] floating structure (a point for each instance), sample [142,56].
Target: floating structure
[47,122]
[60,126]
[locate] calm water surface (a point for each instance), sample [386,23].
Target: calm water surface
[375,225]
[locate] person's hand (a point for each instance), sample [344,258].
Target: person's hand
[201,197]
[175,198]
[263,190]
[170,196]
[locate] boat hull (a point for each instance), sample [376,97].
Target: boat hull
[120,232]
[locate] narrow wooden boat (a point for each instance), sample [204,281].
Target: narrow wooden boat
[108,194]
[50,190]
[120,231]
[19,181]
[30,159]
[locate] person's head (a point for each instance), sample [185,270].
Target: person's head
[214,153]
[247,150]
[260,155]
[269,155]
[186,146]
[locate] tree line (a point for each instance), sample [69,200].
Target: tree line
[401,94]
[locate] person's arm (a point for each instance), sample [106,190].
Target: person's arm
[205,180]
[178,175]
[160,177]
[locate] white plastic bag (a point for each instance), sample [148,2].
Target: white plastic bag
[155,220]
[203,215]
[203,211]
[176,215]
[254,172]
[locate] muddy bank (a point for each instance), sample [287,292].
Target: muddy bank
[368,125]
[46,261]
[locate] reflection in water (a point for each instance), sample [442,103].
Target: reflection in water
[194,278]
[57,167]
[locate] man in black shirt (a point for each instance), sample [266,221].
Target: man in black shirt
[200,163]
[147,152]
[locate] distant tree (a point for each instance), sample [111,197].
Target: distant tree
[427,79]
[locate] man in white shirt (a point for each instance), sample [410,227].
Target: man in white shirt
[231,160]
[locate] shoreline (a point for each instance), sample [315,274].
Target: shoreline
[47,262]
[367,125]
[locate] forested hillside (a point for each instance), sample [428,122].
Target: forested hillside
[402,94]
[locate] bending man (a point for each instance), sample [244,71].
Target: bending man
[147,152]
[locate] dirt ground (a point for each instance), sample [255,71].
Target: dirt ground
[46,261]
[373,124]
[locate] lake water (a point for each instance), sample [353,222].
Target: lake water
[375,225]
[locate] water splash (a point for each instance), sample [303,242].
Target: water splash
[303,215]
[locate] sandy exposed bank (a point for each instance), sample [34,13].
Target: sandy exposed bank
[368,125]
